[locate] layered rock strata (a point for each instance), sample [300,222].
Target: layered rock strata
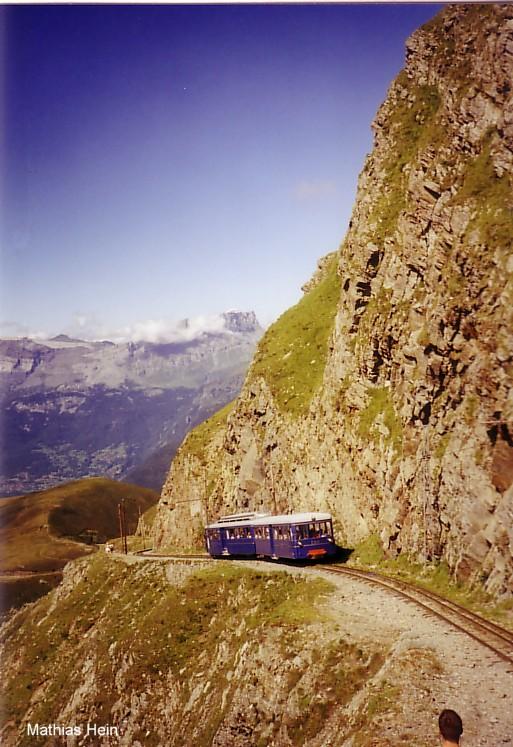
[400,422]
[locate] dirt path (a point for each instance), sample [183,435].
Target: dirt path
[434,666]
[430,667]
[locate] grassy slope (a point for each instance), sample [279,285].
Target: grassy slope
[36,530]
[148,632]
[290,357]
[292,354]
[199,438]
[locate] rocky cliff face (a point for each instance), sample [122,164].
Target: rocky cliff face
[73,408]
[385,396]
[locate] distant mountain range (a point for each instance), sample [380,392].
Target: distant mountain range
[73,408]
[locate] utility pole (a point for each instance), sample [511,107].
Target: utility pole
[206,495]
[122,525]
[125,539]
[142,525]
[273,490]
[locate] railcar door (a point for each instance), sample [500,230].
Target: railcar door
[213,542]
[262,541]
[283,541]
[224,542]
[240,540]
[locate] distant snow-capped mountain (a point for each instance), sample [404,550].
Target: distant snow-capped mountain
[74,408]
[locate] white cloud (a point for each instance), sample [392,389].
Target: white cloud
[314,189]
[14,330]
[166,330]
[148,330]
[90,328]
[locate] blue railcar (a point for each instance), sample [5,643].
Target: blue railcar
[295,536]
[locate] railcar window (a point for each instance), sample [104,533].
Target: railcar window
[267,533]
[312,530]
[241,533]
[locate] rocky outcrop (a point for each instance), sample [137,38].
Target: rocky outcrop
[400,421]
[184,655]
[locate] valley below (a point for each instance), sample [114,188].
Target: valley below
[73,409]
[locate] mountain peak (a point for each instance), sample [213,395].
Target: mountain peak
[241,321]
[64,338]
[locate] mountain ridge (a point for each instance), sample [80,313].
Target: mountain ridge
[80,408]
[404,427]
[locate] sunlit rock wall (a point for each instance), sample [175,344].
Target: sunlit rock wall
[392,406]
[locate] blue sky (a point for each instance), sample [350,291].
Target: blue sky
[160,162]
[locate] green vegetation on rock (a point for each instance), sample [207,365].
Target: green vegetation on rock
[346,669]
[493,197]
[380,404]
[291,356]
[136,630]
[201,436]
[413,125]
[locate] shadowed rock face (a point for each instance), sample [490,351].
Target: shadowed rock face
[73,408]
[409,431]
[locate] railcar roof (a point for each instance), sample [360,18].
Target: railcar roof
[302,518]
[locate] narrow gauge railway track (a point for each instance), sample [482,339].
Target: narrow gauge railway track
[488,634]
[177,556]
[492,636]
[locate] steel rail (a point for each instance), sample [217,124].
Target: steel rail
[449,610]
[146,554]
[481,622]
